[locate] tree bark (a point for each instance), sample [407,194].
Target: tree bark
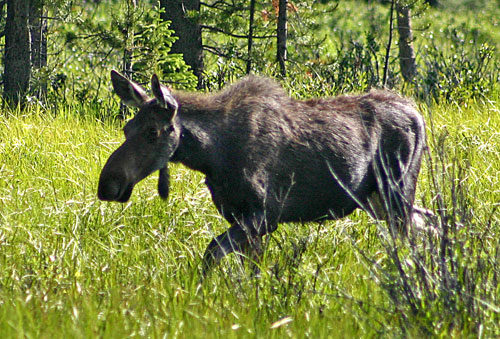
[282,36]
[17,63]
[250,35]
[128,38]
[128,48]
[389,44]
[38,34]
[187,30]
[407,60]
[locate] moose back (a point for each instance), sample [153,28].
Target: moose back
[269,158]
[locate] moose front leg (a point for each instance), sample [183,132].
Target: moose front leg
[243,237]
[234,239]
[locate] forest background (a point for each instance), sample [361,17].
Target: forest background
[71,265]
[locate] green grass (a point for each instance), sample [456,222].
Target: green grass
[71,265]
[76,266]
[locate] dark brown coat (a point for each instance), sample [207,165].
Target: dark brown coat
[269,158]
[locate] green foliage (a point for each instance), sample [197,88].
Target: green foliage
[456,52]
[356,67]
[151,47]
[96,38]
[461,69]
[226,37]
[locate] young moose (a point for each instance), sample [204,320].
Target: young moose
[269,158]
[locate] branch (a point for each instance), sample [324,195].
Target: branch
[215,50]
[44,17]
[215,5]
[250,36]
[219,52]
[239,36]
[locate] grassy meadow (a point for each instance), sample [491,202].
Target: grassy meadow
[72,266]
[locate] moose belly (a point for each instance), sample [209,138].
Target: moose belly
[316,208]
[304,201]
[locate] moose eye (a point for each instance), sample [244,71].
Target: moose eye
[169,129]
[152,134]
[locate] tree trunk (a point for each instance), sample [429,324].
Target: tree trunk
[128,38]
[187,30]
[128,47]
[282,36]
[38,33]
[389,44]
[407,61]
[250,35]
[17,67]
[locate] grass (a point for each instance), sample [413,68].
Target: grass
[74,266]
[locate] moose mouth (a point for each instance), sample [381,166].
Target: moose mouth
[111,188]
[125,196]
[114,191]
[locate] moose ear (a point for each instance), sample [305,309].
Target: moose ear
[131,93]
[162,94]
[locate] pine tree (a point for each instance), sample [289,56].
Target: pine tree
[17,63]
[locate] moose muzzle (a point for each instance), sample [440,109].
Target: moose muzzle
[114,183]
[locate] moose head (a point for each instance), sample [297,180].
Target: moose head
[152,137]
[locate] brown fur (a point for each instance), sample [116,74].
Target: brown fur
[269,158]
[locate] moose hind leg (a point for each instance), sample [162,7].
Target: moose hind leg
[375,206]
[396,191]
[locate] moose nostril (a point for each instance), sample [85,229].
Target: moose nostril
[109,189]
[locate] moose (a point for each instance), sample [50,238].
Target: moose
[269,158]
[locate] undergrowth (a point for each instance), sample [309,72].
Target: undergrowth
[74,266]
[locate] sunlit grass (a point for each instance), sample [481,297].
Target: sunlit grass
[74,266]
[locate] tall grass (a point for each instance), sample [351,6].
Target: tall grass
[71,265]
[445,279]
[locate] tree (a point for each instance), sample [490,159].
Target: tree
[38,42]
[282,36]
[129,20]
[17,63]
[407,60]
[188,31]
[250,35]
[241,36]
[132,38]
[236,37]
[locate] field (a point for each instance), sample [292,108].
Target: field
[73,266]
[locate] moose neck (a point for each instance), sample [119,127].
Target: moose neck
[199,119]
